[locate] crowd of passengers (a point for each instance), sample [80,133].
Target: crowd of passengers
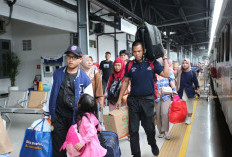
[137,76]
[81,88]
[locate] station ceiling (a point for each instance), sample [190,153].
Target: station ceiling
[189,20]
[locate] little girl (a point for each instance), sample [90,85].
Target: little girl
[86,126]
[118,74]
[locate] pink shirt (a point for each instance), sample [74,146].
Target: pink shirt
[88,132]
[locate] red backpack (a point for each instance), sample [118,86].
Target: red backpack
[155,80]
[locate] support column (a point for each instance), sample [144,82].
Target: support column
[168,42]
[83,25]
[181,54]
[178,54]
[191,54]
[115,43]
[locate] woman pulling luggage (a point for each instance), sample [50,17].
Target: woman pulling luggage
[186,91]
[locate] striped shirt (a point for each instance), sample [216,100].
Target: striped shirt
[165,82]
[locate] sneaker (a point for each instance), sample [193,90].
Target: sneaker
[188,120]
[161,135]
[167,137]
[155,150]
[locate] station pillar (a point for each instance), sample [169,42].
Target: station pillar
[83,25]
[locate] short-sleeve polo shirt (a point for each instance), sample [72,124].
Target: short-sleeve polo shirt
[142,77]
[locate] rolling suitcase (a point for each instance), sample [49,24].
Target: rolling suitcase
[109,140]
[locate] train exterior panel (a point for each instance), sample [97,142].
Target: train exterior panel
[221,63]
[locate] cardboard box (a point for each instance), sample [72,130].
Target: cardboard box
[5,143]
[117,121]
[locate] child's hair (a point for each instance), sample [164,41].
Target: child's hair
[87,104]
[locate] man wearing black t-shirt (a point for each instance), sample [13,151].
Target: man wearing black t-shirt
[69,83]
[106,68]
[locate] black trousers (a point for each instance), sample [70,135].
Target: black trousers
[61,126]
[141,109]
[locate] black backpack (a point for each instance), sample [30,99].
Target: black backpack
[151,37]
[114,91]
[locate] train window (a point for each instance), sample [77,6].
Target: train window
[219,50]
[230,36]
[222,47]
[228,43]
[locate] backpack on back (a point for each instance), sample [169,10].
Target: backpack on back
[114,91]
[151,37]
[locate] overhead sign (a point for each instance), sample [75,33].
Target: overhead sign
[127,27]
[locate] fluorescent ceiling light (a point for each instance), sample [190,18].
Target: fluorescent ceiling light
[170,33]
[216,13]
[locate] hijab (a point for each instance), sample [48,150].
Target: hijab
[117,75]
[120,74]
[89,71]
[182,70]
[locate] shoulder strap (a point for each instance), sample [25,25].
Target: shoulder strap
[95,83]
[130,65]
[151,65]
[192,74]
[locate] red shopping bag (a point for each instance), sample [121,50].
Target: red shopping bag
[177,111]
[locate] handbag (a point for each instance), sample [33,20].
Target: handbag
[177,111]
[36,143]
[114,90]
[166,90]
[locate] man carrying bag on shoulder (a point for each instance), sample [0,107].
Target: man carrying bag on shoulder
[141,99]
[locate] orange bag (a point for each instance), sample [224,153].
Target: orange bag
[177,111]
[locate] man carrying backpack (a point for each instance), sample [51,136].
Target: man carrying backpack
[141,73]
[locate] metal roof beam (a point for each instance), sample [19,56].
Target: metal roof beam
[177,6]
[141,8]
[64,4]
[192,33]
[124,9]
[158,13]
[182,22]
[182,14]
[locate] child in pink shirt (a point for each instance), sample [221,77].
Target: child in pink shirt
[86,126]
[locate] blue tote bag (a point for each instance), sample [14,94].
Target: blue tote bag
[36,143]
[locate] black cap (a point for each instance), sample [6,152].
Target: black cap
[74,49]
[125,52]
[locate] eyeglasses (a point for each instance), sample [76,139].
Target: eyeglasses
[72,57]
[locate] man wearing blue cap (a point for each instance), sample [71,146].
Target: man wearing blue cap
[69,83]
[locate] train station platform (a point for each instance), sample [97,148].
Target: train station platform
[207,136]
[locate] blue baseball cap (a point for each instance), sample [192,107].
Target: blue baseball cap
[74,49]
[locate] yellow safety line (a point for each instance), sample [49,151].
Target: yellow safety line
[184,145]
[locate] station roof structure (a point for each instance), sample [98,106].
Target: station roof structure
[189,21]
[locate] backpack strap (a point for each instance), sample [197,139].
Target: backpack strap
[130,65]
[151,65]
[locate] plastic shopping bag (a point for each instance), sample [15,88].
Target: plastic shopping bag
[46,125]
[177,111]
[37,143]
